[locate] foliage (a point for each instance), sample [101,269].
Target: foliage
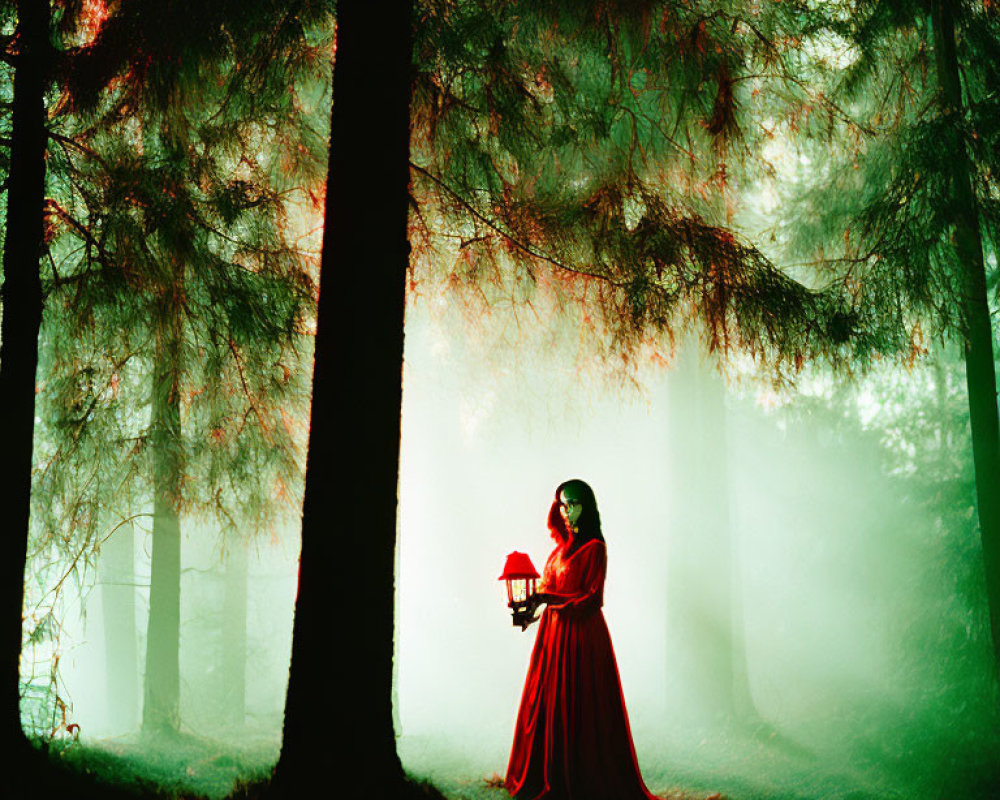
[184,162]
[880,218]
[592,152]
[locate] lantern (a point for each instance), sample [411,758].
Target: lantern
[522,578]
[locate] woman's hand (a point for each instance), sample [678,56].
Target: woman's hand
[529,616]
[525,613]
[538,599]
[525,617]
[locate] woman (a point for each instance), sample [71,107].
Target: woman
[572,740]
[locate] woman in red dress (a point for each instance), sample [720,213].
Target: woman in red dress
[572,740]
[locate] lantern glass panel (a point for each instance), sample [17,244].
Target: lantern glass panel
[519,587]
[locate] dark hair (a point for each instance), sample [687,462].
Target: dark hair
[588,526]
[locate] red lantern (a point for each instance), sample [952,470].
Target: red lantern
[522,581]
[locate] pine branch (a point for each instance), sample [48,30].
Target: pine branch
[67,141]
[525,248]
[54,207]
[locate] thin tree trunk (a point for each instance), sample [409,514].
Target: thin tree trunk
[234,633]
[161,695]
[346,578]
[741,708]
[22,315]
[117,581]
[979,364]
[703,585]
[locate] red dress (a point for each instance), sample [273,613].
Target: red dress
[572,740]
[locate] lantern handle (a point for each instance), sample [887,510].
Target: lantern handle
[525,614]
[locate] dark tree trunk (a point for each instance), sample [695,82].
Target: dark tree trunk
[22,315]
[979,365]
[161,686]
[342,647]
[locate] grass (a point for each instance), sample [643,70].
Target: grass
[724,765]
[184,767]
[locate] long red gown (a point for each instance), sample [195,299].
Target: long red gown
[572,740]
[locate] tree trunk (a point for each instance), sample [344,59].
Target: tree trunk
[703,616]
[234,633]
[979,364]
[117,581]
[161,695]
[22,315]
[346,575]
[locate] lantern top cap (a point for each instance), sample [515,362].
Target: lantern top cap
[518,566]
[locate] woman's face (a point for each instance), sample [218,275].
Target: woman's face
[570,506]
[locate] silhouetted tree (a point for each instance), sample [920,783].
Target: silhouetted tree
[344,609]
[22,313]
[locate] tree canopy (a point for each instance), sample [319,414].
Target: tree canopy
[596,152]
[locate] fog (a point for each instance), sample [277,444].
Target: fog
[782,591]
[794,587]
[98,674]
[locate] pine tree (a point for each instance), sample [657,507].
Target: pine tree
[22,311]
[344,609]
[907,221]
[192,198]
[191,284]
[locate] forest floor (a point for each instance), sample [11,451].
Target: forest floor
[185,766]
[756,764]
[730,770]
[718,766]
